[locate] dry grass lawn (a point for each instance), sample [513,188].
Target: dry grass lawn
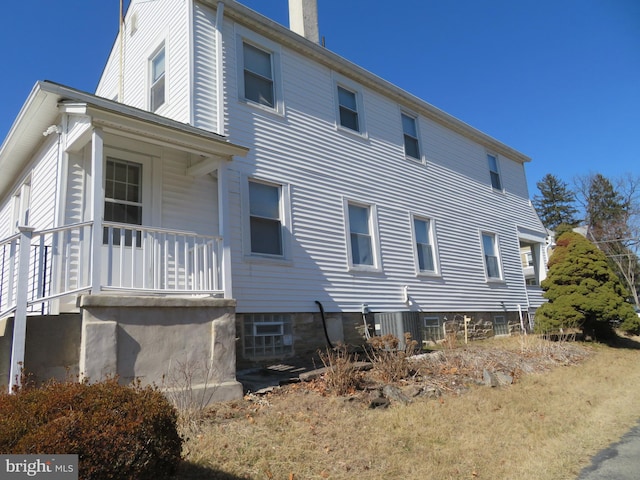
[546,425]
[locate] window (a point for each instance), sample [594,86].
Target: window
[267,335]
[432,329]
[424,245]
[410,132]
[265,220]
[500,326]
[491,259]
[123,198]
[258,76]
[361,239]
[348,109]
[157,91]
[494,172]
[21,204]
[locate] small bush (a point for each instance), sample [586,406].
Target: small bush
[118,432]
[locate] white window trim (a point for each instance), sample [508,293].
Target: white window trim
[375,237]
[496,244]
[357,90]
[416,119]
[148,182]
[285,218]
[434,246]
[246,36]
[499,172]
[159,45]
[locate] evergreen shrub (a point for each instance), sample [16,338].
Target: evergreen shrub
[118,432]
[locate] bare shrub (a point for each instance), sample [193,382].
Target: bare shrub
[390,362]
[341,376]
[190,386]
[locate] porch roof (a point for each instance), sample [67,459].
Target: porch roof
[42,110]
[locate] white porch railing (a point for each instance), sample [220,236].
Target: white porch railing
[40,266]
[136,259]
[157,260]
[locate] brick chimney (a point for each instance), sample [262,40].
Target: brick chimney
[303,19]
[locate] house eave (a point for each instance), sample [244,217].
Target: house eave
[48,101]
[274,31]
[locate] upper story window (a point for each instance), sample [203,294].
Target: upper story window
[494,172]
[157,90]
[123,198]
[348,109]
[410,132]
[491,256]
[265,219]
[21,204]
[258,76]
[425,251]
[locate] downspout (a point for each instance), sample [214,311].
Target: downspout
[191,57]
[324,325]
[220,127]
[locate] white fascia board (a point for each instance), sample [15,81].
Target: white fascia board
[26,135]
[197,142]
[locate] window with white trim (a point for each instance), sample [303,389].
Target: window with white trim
[265,218]
[157,80]
[424,245]
[410,134]
[361,236]
[494,171]
[348,109]
[491,256]
[258,75]
[21,205]
[122,198]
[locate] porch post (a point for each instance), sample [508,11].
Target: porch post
[97,208]
[223,228]
[20,315]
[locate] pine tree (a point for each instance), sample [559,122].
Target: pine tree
[555,205]
[583,291]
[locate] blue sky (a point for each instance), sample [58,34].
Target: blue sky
[558,80]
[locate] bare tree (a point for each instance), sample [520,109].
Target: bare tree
[612,213]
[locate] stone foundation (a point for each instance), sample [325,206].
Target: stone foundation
[308,336]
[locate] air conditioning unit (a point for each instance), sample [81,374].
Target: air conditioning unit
[399,323]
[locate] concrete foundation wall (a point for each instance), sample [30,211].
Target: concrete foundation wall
[52,348]
[175,343]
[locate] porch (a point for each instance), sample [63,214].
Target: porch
[157,287]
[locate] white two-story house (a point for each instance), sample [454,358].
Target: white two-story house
[228,160]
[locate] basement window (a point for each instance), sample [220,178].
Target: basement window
[267,335]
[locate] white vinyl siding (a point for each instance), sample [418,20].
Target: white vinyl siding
[166,23]
[322,166]
[206,64]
